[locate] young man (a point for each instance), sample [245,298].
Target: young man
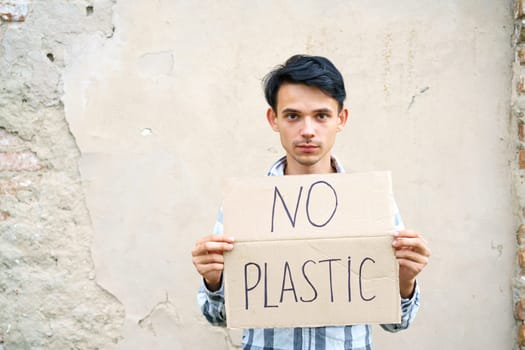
[306,97]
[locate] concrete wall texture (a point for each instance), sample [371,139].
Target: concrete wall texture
[119,119]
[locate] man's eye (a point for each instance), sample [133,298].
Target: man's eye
[322,116]
[292,116]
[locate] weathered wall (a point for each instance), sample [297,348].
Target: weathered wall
[518,163]
[156,102]
[48,292]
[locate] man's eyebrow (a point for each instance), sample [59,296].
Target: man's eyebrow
[289,110]
[323,110]
[320,110]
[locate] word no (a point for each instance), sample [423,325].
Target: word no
[293,219]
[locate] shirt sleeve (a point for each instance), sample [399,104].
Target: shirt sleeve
[212,303]
[409,308]
[398,221]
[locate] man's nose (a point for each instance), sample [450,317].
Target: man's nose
[307,130]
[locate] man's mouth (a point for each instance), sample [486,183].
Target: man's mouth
[306,147]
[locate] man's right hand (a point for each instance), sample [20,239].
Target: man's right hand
[209,260]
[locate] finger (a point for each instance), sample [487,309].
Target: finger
[216,238]
[413,268]
[414,244]
[208,259]
[410,255]
[207,268]
[407,233]
[210,246]
[406,242]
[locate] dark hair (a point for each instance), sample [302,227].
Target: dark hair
[313,71]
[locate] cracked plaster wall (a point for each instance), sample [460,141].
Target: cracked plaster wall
[119,121]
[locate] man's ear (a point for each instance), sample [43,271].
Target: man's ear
[271,116]
[343,118]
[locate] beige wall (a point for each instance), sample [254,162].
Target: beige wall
[171,103]
[428,87]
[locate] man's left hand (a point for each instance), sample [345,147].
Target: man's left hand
[412,254]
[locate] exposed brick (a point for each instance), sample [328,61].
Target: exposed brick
[13,12]
[520,310]
[15,184]
[521,38]
[520,87]
[19,161]
[521,258]
[521,335]
[4,215]
[519,10]
[521,130]
[522,159]
[521,232]
[521,55]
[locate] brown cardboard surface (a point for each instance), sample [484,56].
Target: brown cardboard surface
[312,282]
[311,250]
[315,206]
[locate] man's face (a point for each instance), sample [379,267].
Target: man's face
[307,121]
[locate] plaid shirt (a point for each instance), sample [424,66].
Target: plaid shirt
[356,337]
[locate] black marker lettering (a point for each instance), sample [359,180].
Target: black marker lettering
[308,204]
[361,279]
[309,282]
[349,280]
[286,271]
[330,275]
[246,289]
[266,287]
[277,193]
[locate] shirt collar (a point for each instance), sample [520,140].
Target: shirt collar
[277,169]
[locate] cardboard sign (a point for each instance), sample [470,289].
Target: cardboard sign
[310,250]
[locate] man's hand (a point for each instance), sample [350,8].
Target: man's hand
[209,260]
[412,254]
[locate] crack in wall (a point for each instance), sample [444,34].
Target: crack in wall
[419,93]
[165,307]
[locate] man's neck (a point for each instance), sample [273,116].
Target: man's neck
[294,168]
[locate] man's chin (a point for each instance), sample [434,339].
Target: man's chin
[309,160]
